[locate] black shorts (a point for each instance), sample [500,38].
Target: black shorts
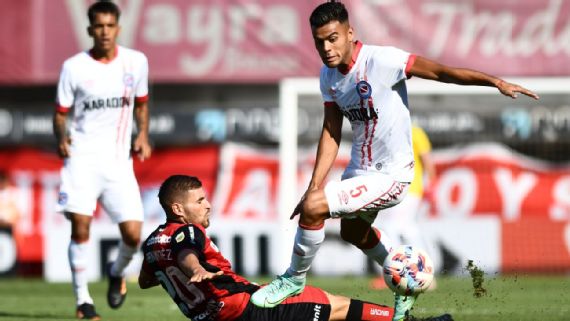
[311,305]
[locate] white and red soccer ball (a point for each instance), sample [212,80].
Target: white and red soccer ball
[408,270]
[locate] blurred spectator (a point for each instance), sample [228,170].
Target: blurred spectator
[8,210]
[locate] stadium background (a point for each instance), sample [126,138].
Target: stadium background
[502,195]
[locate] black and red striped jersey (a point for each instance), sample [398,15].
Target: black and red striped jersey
[223,298]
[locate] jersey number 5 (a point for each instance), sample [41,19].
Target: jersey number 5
[357,191]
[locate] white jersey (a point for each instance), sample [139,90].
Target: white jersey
[373,96]
[102,96]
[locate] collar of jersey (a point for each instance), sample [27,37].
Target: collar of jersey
[104,62]
[355,53]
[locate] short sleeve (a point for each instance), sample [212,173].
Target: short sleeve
[420,140]
[188,237]
[65,89]
[141,93]
[392,63]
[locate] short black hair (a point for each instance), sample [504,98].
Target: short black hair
[173,188]
[327,12]
[103,7]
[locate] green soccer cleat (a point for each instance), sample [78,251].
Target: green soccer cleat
[277,291]
[403,306]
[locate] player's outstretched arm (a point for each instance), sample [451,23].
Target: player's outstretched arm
[428,69]
[191,266]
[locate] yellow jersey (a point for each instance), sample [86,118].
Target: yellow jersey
[421,145]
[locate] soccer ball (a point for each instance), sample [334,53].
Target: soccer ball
[408,270]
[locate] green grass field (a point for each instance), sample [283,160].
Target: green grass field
[512,298]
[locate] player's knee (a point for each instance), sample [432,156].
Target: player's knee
[80,234]
[132,240]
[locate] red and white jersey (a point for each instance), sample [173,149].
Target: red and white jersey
[221,299]
[372,95]
[102,96]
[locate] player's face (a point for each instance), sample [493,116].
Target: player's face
[104,31]
[334,42]
[197,207]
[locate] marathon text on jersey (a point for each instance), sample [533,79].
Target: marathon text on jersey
[356,112]
[114,102]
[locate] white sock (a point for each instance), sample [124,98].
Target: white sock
[123,259]
[307,243]
[380,251]
[77,254]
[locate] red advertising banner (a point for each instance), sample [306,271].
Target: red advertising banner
[266,40]
[515,208]
[489,179]
[35,177]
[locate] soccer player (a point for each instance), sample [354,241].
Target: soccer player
[181,257]
[104,86]
[365,84]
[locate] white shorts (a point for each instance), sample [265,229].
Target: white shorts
[84,181]
[363,196]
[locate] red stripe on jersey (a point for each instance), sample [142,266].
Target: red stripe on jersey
[309,295]
[374,122]
[374,312]
[62,109]
[142,99]
[409,65]
[123,119]
[331,104]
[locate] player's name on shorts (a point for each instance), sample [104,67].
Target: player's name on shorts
[114,102]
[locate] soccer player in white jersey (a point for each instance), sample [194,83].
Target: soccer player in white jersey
[103,87]
[365,84]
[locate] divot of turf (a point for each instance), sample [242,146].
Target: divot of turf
[478,277]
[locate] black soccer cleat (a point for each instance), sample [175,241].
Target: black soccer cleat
[86,311]
[117,291]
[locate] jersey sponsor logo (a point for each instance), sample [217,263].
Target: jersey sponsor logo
[363,89]
[317,310]
[113,102]
[355,112]
[129,80]
[161,239]
[180,237]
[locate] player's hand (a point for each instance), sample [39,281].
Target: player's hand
[141,147]
[63,147]
[201,274]
[511,90]
[298,208]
